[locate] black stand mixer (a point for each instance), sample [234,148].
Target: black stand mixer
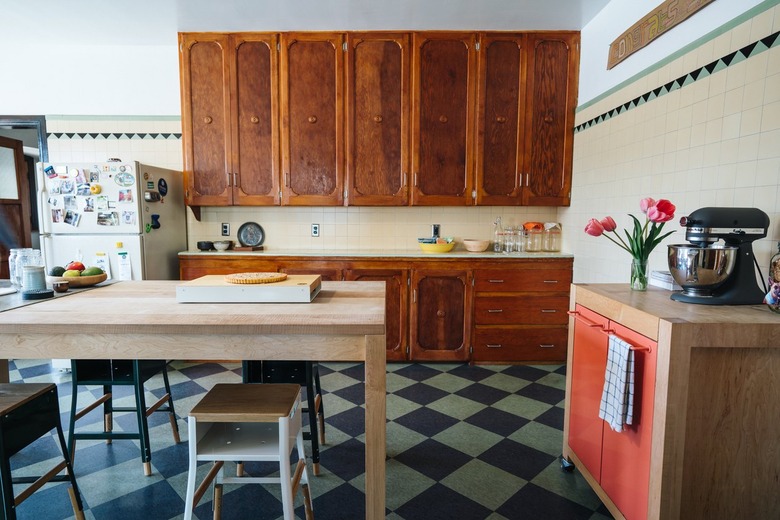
[712,273]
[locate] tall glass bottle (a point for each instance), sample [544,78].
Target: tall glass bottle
[498,235]
[772,299]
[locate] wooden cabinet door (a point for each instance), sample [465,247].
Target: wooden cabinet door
[500,119]
[255,119]
[205,99]
[440,315]
[444,66]
[312,118]
[553,66]
[377,118]
[396,306]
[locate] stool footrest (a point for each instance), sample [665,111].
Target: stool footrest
[35,486]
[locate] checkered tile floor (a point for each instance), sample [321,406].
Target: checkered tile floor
[463,442]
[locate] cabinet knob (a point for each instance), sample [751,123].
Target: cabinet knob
[254,120]
[548,118]
[443,119]
[377,119]
[207,120]
[440,314]
[500,119]
[312,119]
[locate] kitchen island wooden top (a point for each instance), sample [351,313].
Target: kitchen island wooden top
[142,320]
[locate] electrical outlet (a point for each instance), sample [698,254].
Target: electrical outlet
[225,229]
[435,230]
[315,230]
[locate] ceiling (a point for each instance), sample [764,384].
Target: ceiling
[156,22]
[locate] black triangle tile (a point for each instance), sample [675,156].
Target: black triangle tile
[94,135]
[82,135]
[695,74]
[711,66]
[770,40]
[166,136]
[747,50]
[668,87]
[628,105]
[56,135]
[70,135]
[728,58]
[177,136]
[106,135]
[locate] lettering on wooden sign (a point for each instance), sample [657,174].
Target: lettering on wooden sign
[651,26]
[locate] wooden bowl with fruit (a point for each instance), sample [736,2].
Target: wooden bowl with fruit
[76,274]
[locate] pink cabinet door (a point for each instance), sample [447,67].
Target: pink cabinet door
[625,460]
[589,361]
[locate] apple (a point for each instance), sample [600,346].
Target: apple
[74,266]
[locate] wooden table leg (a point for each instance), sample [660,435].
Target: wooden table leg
[376,429]
[4,375]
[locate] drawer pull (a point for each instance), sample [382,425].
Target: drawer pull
[496,281]
[551,281]
[495,310]
[547,346]
[549,310]
[493,345]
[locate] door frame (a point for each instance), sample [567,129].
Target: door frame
[36,122]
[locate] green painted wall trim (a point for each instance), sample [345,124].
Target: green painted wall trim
[760,8]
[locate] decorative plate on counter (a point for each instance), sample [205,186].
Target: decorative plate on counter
[250,234]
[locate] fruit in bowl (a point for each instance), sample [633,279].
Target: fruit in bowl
[76,274]
[436,244]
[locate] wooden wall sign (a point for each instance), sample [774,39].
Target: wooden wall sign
[651,26]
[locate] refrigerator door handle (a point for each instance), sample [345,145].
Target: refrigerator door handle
[44,221]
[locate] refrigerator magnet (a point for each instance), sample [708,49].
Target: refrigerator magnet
[56,215]
[94,189]
[67,186]
[125,195]
[124,179]
[128,217]
[89,205]
[82,189]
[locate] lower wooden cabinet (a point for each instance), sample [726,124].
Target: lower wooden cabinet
[484,310]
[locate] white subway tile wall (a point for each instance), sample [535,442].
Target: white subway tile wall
[714,141]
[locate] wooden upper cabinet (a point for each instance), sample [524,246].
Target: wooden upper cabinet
[205,98]
[553,67]
[255,119]
[230,118]
[443,71]
[377,108]
[312,78]
[500,119]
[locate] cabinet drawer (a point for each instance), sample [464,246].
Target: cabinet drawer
[523,310]
[499,344]
[498,280]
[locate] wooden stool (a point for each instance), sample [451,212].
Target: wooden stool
[27,412]
[120,372]
[304,373]
[237,422]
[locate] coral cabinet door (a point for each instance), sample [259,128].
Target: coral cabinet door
[587,382]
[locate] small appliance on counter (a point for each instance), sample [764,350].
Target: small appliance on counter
[715,273]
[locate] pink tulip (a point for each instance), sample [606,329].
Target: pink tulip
[646,203]
[594,228]
[608,223]
[662,211]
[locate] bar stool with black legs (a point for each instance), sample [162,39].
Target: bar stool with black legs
[305,374]
[120,372]
[29,411]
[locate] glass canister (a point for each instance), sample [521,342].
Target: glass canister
[772,298]
[552,237]
[12,255]
[533,241]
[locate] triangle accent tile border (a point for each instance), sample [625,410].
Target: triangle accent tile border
[116,135]
[732,58]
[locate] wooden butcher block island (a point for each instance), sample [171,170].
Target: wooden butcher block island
[705,439]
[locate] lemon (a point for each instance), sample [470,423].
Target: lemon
[71,273]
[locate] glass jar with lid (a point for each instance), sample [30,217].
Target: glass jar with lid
[552,237]
[533,241]
[772,298]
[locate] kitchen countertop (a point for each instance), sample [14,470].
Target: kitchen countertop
[388,253]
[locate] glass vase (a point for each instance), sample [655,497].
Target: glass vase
[638,275]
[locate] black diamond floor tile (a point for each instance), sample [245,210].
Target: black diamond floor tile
[544,393]
[426,421]
[497,421]
[417,372]
[552,418]
[484,394]
[433,459]
[441,503]
[421,393]
[525,372]
[536,503]
[517,459]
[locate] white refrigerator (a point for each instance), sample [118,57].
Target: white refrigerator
[126,217]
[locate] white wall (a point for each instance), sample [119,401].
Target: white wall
[618,16]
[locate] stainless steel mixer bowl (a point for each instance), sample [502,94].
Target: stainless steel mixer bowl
[700,270]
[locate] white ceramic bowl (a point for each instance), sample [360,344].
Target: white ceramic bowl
[222,245]
[474,245]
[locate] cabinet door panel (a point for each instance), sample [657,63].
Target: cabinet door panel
[500,134]
[440,315]
[205,110]
[625,464]
[444,82]
[552,84]
[378,120]
[396,306]
[255,147]
[312,83]
[589,361]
